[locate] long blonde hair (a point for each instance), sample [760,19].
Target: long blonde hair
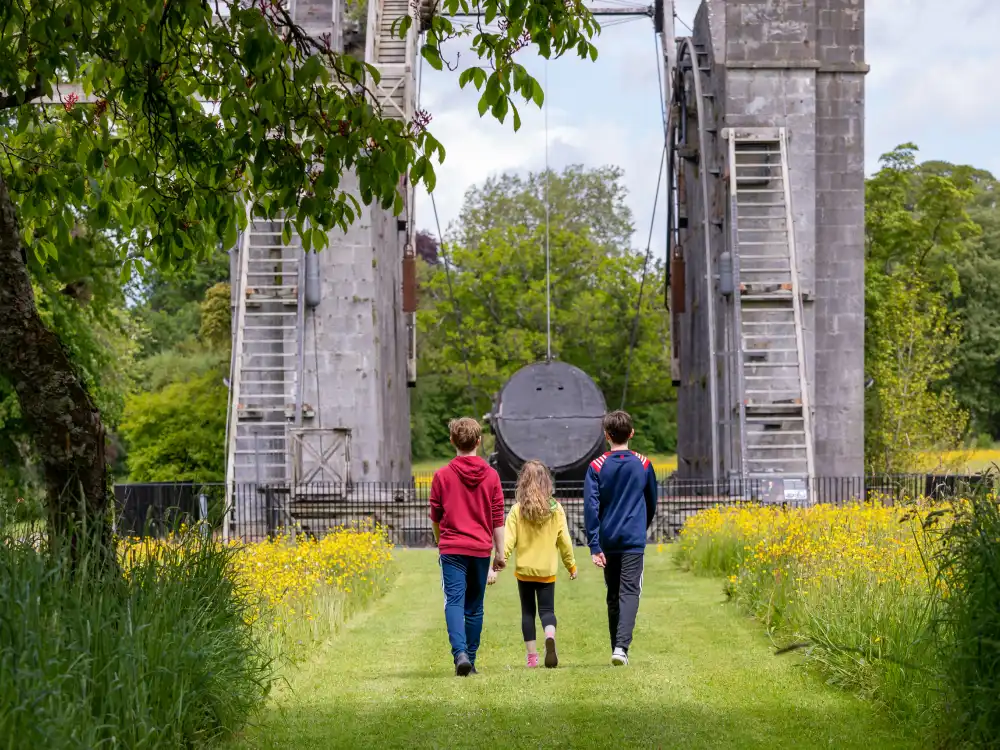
[533,492]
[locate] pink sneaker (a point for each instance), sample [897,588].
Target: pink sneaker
[532,660]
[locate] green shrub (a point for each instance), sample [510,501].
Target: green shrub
[160,655]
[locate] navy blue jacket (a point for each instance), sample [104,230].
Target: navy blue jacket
[619,501]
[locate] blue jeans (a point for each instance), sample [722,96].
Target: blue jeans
[463,580]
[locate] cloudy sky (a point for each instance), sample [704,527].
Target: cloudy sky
[933,68]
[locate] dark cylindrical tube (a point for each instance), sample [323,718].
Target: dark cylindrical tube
[409,284]
[677,284]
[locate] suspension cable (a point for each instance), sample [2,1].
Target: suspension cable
[548,282]
[652,222]
[659,83]
[642,283]
[454,306]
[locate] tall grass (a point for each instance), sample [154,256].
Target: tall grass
[968,620]
[160,654]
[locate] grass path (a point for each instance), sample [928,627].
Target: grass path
[702,676]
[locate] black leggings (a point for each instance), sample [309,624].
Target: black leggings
[546,593]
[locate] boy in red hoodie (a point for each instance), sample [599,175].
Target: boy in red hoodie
[467,515]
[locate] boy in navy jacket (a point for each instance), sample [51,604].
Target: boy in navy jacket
[619,506]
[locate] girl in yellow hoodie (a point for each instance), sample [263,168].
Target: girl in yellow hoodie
[536,530]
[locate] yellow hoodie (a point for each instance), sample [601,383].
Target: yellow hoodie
[536,544]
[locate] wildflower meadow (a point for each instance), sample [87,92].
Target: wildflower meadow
[884,600]
[175,645]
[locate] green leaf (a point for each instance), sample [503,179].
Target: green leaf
[465,76]
[484,105]
[418,170]
[320,240]
[310,71]
[127,166]
[102,215]
[95,160]
[430,179]
[230,236]
[432,56]
[500,109]
[78,187]
[404,25]
[517,118]
[125,272]
[493,91]
[537,95]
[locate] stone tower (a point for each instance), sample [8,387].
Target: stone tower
[797,65]
[323,352]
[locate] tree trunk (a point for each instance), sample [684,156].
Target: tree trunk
[63,422]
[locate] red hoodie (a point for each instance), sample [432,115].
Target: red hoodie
[467,503]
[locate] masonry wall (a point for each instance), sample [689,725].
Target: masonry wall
[355,344]
[355,366]
[390,325]
[840,235]
[796,64]
[694,418]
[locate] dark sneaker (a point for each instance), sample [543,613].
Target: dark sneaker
[462,664]
[474,670]
[551,660]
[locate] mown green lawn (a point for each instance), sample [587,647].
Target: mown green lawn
[702,676]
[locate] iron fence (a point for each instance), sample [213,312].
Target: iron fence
[260,511]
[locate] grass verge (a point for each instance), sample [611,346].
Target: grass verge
[176,647]
[850,582]
[900,605]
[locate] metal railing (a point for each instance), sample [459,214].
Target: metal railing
[265,510]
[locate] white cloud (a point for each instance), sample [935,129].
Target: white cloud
[477,148]
[598,115]
[932,67]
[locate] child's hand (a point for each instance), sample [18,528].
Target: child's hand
[491,578]
[572,575]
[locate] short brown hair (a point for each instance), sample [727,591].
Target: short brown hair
[465,433]
[618,426]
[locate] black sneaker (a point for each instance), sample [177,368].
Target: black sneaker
[462,664]
[551,660]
